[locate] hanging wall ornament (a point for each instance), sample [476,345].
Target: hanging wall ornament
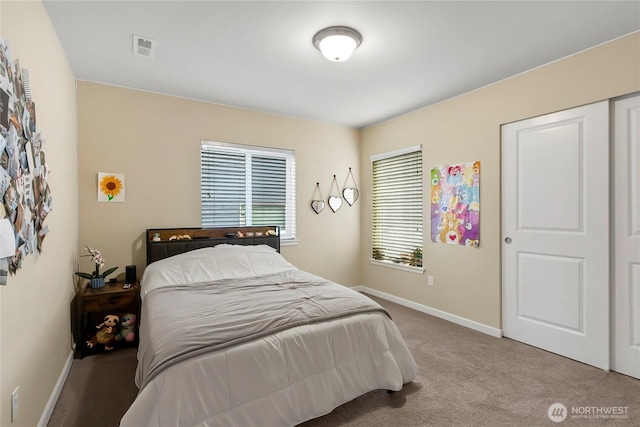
[350,194]
[317,204]
[335,201]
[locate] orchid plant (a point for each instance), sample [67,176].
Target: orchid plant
[98,260]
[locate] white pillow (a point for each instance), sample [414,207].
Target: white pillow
[210,264]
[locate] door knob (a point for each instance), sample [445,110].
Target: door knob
[507,240]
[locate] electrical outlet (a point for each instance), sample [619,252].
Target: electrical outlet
[430,280]
[14,404]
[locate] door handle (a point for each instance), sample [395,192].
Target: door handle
[508,240]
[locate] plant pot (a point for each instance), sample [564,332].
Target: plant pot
[96,282]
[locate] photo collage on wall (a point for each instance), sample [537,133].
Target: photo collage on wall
[26,197]
[455,204]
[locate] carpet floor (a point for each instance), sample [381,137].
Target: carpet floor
[465,378]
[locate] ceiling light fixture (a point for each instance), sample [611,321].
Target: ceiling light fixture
[337,43]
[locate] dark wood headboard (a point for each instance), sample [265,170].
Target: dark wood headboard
[174,241]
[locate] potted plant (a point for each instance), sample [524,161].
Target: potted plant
[416,257]
[96,279]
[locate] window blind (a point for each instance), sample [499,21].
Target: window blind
[397,207]
[247,186]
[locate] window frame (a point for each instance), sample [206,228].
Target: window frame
[388,155]
[288,231]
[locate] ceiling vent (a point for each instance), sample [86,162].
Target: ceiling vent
[143,46]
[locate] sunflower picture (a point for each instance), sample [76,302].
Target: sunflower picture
[110,187]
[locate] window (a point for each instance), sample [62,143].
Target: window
[397,207]
[242,185]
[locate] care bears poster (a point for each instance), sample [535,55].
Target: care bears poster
[455,204]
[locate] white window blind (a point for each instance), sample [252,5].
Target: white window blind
[397,207]
[243,185]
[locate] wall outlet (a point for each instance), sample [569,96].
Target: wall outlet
[430,280]
[14,404]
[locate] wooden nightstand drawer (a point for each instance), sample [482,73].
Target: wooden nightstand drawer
[106,301]
[96,307]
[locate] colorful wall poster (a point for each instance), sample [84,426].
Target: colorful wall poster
[110,187]
[455,204]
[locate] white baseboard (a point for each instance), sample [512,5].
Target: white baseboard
[51,404]
[472,324]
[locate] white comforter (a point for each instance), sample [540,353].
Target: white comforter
[275,380]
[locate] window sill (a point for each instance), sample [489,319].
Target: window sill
[289,242]
[403,267]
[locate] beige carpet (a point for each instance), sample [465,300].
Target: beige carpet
[465,378]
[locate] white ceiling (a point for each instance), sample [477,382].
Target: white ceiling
[259,55]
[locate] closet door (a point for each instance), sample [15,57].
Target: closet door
[555,231]
[626,248]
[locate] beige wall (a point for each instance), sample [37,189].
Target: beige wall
[467,128]
[154,140]
[35,326]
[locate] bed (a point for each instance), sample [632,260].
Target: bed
[232,334]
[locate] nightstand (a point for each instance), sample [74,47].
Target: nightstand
[97,307]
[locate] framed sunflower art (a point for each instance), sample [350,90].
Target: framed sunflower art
[110,187]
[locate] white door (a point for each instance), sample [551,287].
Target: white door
[626,249]
[555,231]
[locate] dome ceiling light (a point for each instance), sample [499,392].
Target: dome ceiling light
[337,43]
